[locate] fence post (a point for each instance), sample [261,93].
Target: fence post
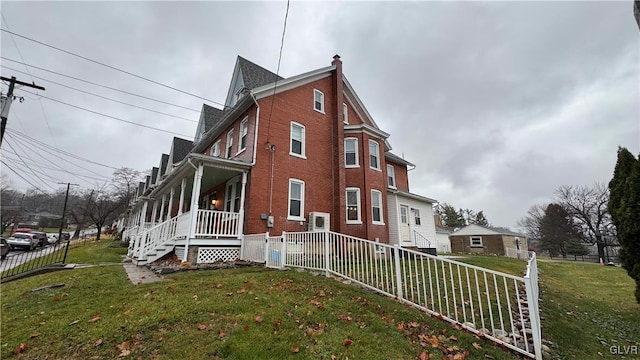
[242,245]
[396,255]
[531,286]
[283,249]
[266,250]
[327,247]
[64,259]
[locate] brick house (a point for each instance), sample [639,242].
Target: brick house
[295,154]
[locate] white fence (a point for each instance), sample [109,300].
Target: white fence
[498,306]
[516,254]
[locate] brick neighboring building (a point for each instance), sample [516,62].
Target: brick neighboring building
[275,158]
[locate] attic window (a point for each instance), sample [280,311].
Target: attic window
[318,100]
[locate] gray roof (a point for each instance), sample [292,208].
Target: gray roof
[255,76]
[396,159]
[163,163]
[181,148]
[503,231]
[154,174]
[147,183]
[211,116]
[140,188]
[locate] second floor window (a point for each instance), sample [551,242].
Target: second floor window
[244,128]
[229,143]
[374,155]
[297,147]
[351,152]
[391,176]
[345,114]
[318,100]
[215,149]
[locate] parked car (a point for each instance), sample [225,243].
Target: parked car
[23,240]
[52,238]
[4,248]
[66,236]
[41,236]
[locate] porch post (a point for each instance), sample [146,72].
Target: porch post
[162,208]
[170,206]
[193,210]
[143,213]
[241,211]
[183,185]
[154,212]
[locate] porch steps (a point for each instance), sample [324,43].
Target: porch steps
[159,251]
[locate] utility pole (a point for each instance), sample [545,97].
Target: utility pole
[64,210]
[6,101]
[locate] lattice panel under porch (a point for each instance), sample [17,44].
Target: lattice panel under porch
[211,255]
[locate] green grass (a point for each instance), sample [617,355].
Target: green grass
[592,303]
[248,313]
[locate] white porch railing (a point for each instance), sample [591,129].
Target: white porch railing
[498,306]
[213,223]
[420,240]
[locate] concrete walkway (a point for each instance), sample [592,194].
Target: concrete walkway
[140,274]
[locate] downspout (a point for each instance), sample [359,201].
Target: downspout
[255,131]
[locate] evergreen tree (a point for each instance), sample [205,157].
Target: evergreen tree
[450,217]
[558,234]
[624,206]
[480,219]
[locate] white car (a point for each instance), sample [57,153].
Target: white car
[23,240]
[52,238]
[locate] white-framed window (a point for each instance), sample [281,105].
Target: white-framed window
[476,241]
[351,152]
[345,114]
[215,149]
[374,155]
[296,200]
[416,216]
[229,143]
[376,207]
[391,176]
[232,195]
[297,143]
[242,136]
[353,206]
[318,100]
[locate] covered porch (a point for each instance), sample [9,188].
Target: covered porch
[197,210]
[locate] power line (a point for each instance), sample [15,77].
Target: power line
[56,168]
[100,85]
[28,167]
[273,97]
[28,182]
[46,120]
[113,67]
[100,96]
[108,116]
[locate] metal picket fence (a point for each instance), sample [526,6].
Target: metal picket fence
[499,306]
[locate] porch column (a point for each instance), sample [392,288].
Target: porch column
[162,208]
[183,185]
[143,213]
[193,215]
[170,203]
[154,212]
[241,211]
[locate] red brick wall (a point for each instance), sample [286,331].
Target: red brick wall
[402,179]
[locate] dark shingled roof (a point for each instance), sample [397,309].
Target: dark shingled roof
[154,175]
[211,116]
[147,182]
[163,163]
[255,76]
[181,148]
[140,188]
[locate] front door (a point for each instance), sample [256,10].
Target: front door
[405,231]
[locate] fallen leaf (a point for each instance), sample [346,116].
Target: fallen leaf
[202,327]
[124,353]
[95,318]
[136,337]
[459,356]
[434,341]
[347,342]
[56,298]
[218,286]
[246,327]
[241,291]
[21,348]
[453,338]
[98,342]
[295,349]
[401,326]
[221,334]
[128,312]
[477,346]
[32,335]
[424,356]
[321,293]
[333,357]
[75,322]
[43,323]
[414,324]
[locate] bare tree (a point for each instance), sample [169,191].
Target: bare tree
[530,224]
[125,181]
[588,207]
[101,206]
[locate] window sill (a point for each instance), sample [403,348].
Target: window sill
[477,246]
[352,166]
[392,187]
[320,111]
[354,222]
[376,169]
[241,151]
[298,155]
[377,223]
[294,218]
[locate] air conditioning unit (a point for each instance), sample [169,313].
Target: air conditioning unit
[318,221]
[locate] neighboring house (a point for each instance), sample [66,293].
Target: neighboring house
[33,219]
[443,244]
[315,161]
[477,239]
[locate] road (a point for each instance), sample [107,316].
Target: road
[17,257]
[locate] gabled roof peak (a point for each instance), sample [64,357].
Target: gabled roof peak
[255,75]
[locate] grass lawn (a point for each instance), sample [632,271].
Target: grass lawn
[587,308]
[248,313]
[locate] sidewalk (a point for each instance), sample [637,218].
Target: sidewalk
[140,274]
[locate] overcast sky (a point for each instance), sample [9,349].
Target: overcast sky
[497,103]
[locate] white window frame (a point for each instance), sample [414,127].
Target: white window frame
[357,164]
[378,194]
[318,92]
[289,216]
[415,214]
[345,114]
[215,149]
[303,147]
[358,204]
[377,155]
[229,146]
[242,135]
[391,176]
[231,195]
[477,245]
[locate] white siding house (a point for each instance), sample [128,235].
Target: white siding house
[411,220]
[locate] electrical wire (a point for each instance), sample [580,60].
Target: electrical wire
[100,85]
[108,116]
[113,67]
[27,166]
[20,176]
[56,168]
[100,96]
[273,97]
